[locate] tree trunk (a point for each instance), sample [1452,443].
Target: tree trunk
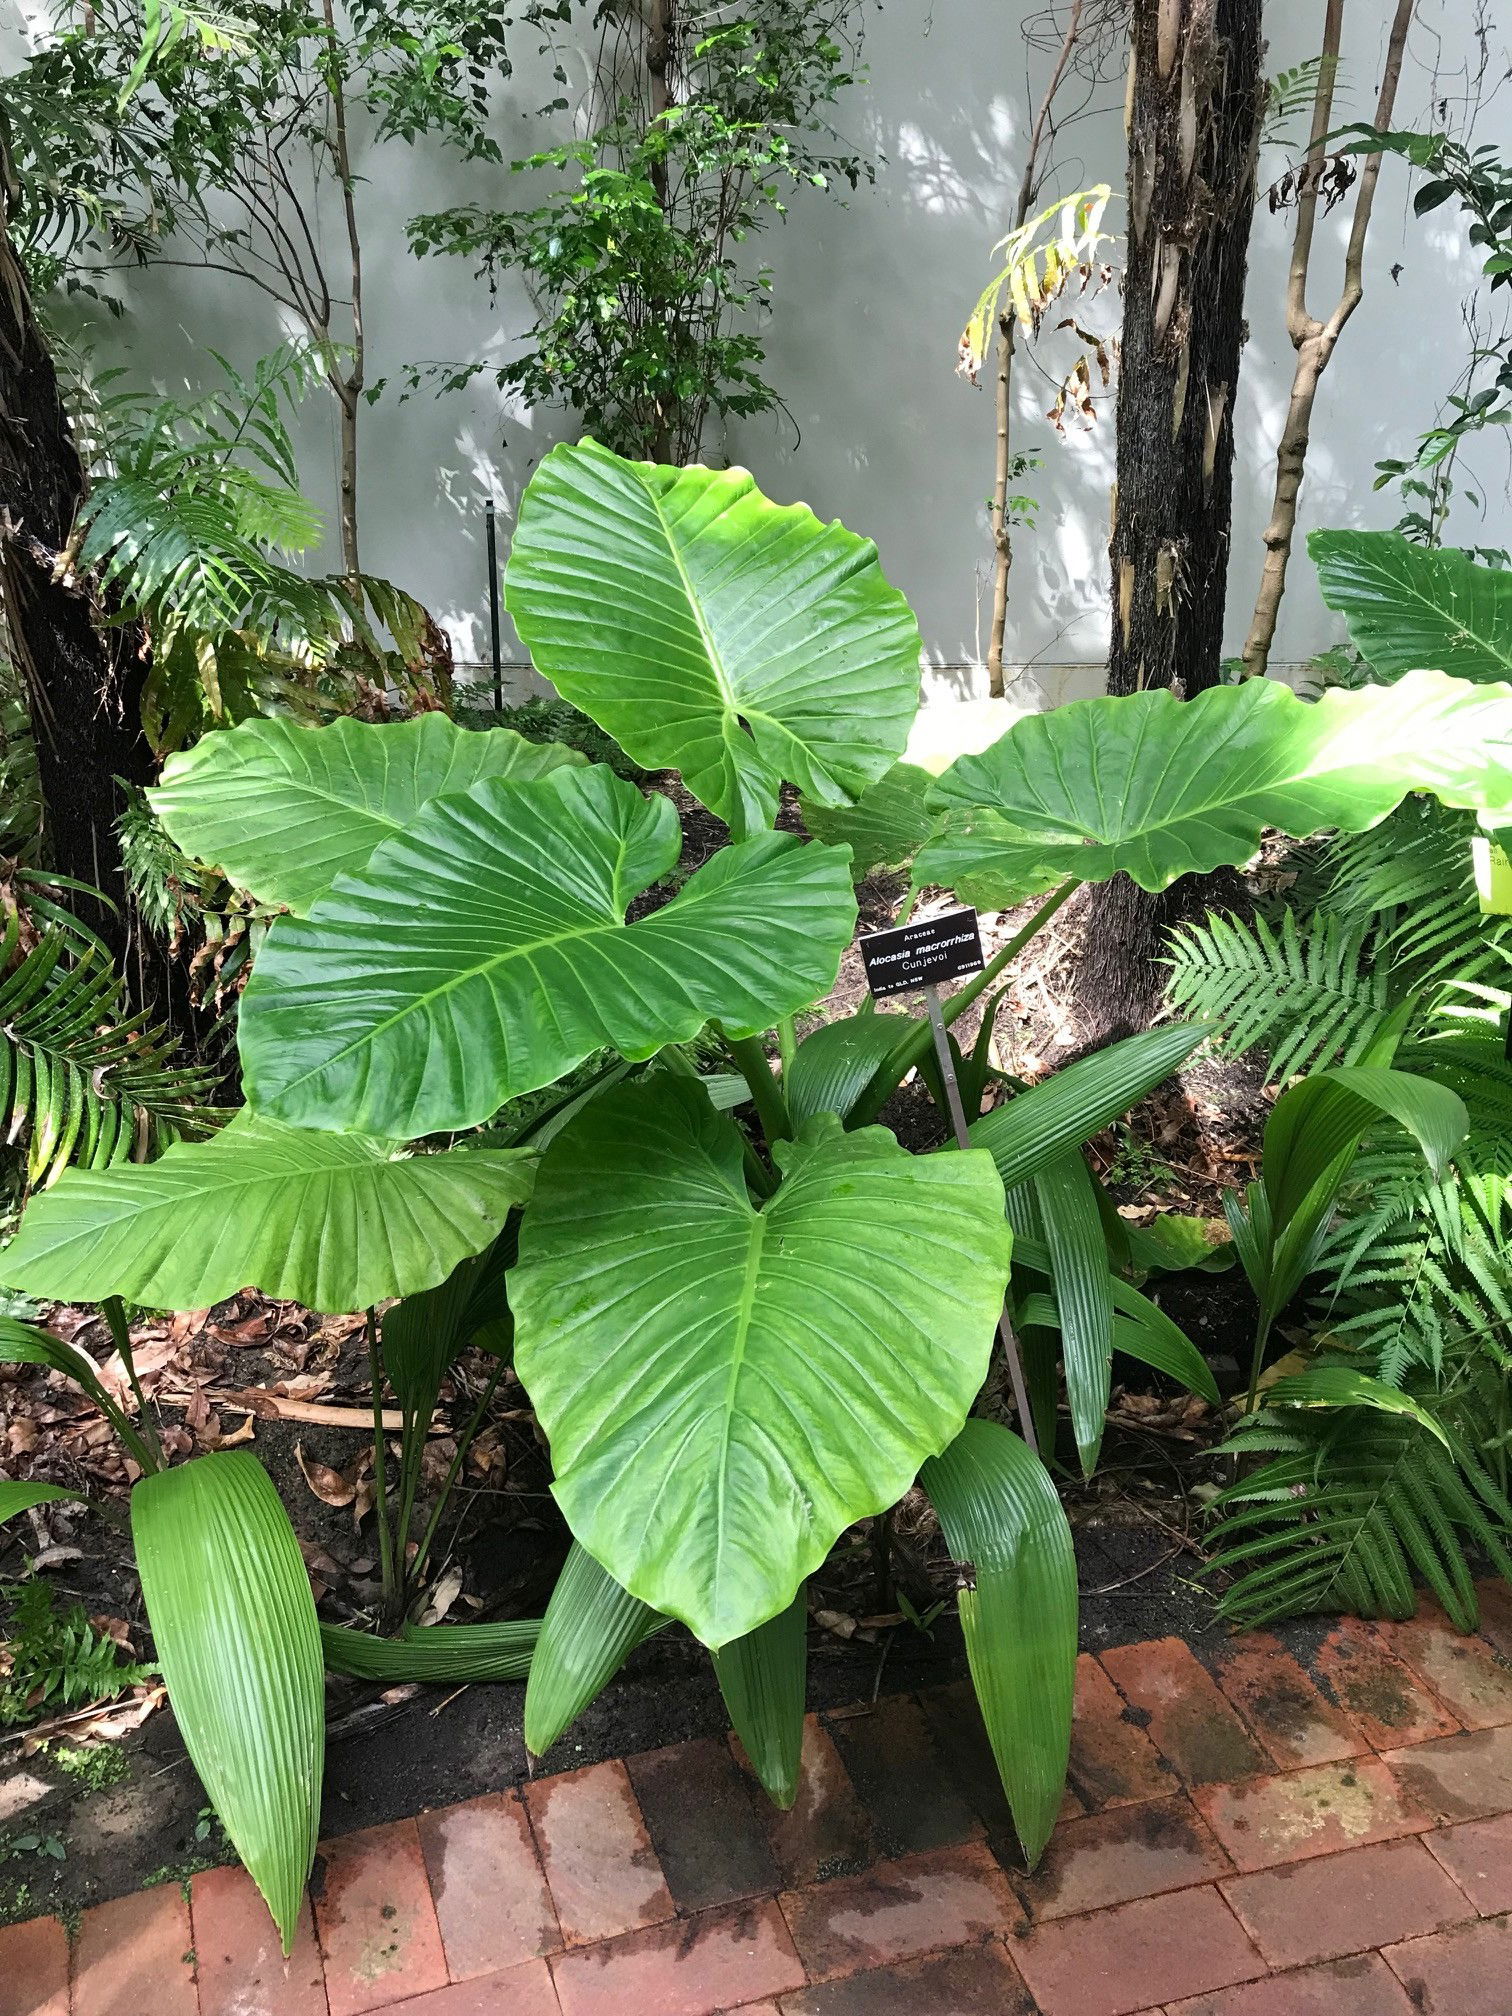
[83,693]
[1314,341]
[347,383]
[1197,93]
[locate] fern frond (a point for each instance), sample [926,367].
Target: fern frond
[83,1080]
[1414,875]
[1350,1514]
[1308,989]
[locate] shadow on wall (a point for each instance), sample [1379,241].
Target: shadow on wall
[870,298]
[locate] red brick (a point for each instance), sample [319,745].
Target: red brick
[1113,1761]
[1466,1777]
[708,1836]
[960,1735]
[895,1767]
[716,1961]
[239,1956]
[491,1899]
[135,1957]
[518,1991]
[977,1981]
[826,1831]
[1466,1972]
[377,1926]
[1385,1700]
[604,1875]
[1282,1706]
[1340,1904]
[1188,1719]
[1111,1858]
[1312,1812]
[1136,1955]
[1463,1671]
[34,1969]
[899,1910]
[1478,1855]
[1361,1986]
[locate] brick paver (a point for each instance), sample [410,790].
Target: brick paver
[135,1957]
[1256,1833]
[1350,1903]
[1185,1712]
[238,1958]
[603,1872]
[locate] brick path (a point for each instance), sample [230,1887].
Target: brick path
[1244,1837]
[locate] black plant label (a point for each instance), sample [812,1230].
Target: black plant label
[922,954]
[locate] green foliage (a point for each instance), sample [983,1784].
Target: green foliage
[56,1659]
[638,255]
[558,721]
[93,1767]
[84,1081]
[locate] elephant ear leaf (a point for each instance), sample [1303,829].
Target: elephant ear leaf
[727,1388]
[712,631]
[1409,605]
[335,1221]
[485,951]
[283,810]
[233,1620]
[886,826]
[1156,787]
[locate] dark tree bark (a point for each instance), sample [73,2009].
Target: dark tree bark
[83,684]
[1194,126]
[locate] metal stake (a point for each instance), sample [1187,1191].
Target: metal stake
[493,605]
[963,1140]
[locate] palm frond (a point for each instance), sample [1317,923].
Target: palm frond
[82,1080]
[1352,1507]
[1308,989]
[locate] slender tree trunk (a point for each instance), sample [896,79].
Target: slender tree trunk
[1313,340]
[83,694]
[661,29]
[1002,537]
[348,383]
[1196,98]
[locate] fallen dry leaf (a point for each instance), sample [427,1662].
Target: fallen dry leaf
[329,1486]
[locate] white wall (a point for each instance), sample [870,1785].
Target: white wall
[870,298]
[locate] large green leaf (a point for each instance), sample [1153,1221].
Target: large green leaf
[1158,787]
[763,1677]
[485,951]
[1001,1513]
[1408,606]
[228,1598]
[283,810]
[1026,1134]
[727,1388]
[335,1221]
[886,826]
[833,1067]
[712,631]
[590,1629]
[1078,1251]
[443,1652]
[21,1497]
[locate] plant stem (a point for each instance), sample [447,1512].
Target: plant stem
[787,1043]
[771,1107]
[464,1443]
[915,1045]
[1257,1360]
[380,1475]
[115,1316]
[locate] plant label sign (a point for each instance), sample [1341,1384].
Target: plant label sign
[923,954]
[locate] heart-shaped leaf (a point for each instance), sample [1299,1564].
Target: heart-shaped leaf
[1158,787]
[1409,605]
[712,631]
[886,826]
[334,1221]
[727,1388]
[283,810]
[485,951]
